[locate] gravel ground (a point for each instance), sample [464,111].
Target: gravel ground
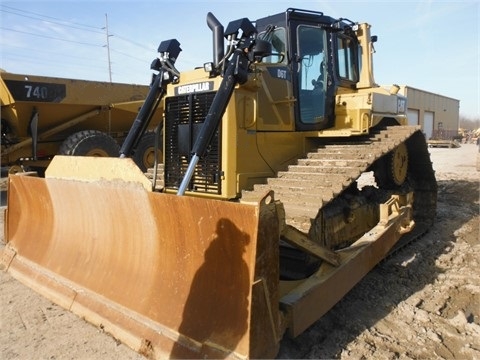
[421,302]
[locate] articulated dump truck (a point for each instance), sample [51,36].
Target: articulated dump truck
[46,116]
[287,175]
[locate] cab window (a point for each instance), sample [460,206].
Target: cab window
[346,58]
[277,37]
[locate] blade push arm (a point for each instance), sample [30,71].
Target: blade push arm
[168,51]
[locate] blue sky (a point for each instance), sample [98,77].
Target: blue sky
[432,45]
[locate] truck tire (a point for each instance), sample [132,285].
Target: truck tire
[144,155]
[90,143]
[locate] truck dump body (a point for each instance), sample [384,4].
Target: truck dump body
[61,107]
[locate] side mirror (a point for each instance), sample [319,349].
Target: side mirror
[261,48]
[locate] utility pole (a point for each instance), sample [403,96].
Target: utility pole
[108,48]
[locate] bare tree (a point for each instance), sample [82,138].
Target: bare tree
[468,123]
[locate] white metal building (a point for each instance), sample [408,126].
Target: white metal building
[438,115]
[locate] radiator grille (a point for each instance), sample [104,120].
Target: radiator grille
[184,117]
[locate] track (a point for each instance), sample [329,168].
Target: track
[333,166]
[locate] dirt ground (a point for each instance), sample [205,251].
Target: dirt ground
[422,302]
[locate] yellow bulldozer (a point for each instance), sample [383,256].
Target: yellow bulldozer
[287,175]
[45,116]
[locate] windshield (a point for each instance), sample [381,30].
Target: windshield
[311,74]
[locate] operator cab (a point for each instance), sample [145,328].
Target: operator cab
[321,53]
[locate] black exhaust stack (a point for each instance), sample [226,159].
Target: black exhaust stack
[218,35]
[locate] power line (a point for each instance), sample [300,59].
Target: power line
[51,37]
[133,42]
[51,22]
[49,61]
[32,50]
[64,23]
[127,55]
[74,25]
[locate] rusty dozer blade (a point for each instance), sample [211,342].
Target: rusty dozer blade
[170,276]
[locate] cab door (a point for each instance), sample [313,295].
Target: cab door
[310,76]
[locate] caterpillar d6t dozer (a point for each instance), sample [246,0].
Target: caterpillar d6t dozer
[287,175]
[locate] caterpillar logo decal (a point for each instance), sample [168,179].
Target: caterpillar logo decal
[194,88]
